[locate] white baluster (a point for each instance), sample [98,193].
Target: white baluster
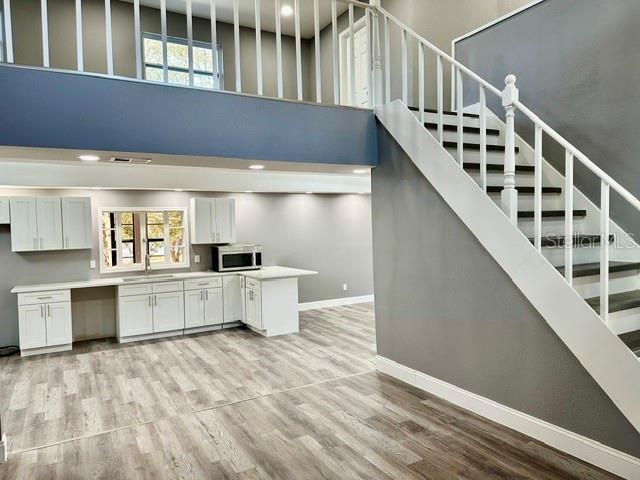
[604,251]
[279,50]
[378,98]
[440,87]
[482,96]
[236,45]
[387,62]
[163,35]
[367,20]
[568,218]
[108,36]
[405,68]
[137,33]
[352,58]
[8,35]
[45,33]
[336,57]
[316,42]
[460,112]
[421,81]
[258,12]
[79,47]
[537,191]
[509,196]
[298,49]
[214,42]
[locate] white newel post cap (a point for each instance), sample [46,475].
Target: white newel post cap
[510,94]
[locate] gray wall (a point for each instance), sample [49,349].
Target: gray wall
[327,233]
[578,66]
[445,307]
[28,42]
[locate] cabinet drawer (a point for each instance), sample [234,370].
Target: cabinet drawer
[139,289]
[203,283]
[165,287]
[44,297]
[251,283]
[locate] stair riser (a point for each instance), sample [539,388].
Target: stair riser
[580,255]
[526,202]
[625,321]
[449,120]
[550,226]
[473,156]
[468,137]
[589,287]
[497,178]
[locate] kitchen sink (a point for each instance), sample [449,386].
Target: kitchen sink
[153,278]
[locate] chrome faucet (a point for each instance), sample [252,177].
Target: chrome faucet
[147,265]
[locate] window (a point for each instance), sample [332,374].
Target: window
[127,236]
[207,71]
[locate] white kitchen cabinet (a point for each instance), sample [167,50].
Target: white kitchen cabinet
[213,307]
[253,302]
[168,312]
[49,220]
[45,321]
[135,315]
[233,298]
[203,302]
[4,210]
[24,224]
[77,227]
[194,309]
[212,221]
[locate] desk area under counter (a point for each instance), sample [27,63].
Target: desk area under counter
[159,306]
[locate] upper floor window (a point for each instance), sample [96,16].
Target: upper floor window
[207,70]
[128,236]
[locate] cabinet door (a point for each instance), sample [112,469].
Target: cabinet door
[58,324]
[213,308]
[225,217]
[135,315]
[168,311]
[32,326]
[76,222]
[49,214]
[202,220]
[24,224]
[232,298]
[194,308]
[4,210]
[254,308]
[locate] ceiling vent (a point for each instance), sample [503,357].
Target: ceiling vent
[130,160]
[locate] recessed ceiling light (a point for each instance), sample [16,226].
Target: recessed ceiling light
[286,10]
[256,167]
[89,158]
[360,171]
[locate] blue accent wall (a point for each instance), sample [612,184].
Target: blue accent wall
[53,109]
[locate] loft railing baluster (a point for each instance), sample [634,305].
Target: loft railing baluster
[387,63]
[258,13]
[421,81]
[108,35]
[44,15]
[279,50]
[604,251]
[370,90]
[336,57]
[568,218]
[537,194]
[137,38]
[352,58]
[405,67]
[79,47]
[440,87]
[460,116]
[298,49]
[163,34]
[236,45]
[316,42]
[482,95]
[215,61]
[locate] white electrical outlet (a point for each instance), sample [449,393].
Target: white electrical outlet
[345,287]
[196,258]
[92,264]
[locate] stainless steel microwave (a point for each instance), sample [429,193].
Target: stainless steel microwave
[236,257]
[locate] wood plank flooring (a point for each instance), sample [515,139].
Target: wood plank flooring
[236,405]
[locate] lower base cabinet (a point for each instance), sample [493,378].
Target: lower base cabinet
[44,325]
[253,304]
[203,303]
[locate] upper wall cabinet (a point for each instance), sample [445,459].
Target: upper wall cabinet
[4,210]
[50,223]
[213,220]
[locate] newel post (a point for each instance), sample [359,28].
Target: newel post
[509,193]
[376,67]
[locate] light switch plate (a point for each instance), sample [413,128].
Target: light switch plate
[196,258]
[92,264]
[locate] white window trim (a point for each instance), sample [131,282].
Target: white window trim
[218,62]
[141,267]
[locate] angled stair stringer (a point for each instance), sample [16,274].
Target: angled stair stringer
[603,355]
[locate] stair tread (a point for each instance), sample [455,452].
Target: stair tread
[445,112]
[454,128]
[618,301]
[632,340]
[588,269]
[525,190]
[476,146]
[551,213]
[578,240]
[496,167]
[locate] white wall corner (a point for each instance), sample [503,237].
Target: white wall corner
[334,302]
[586,449]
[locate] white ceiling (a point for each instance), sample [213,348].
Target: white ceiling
[224,9]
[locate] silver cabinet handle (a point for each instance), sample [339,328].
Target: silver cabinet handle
[48,310]
[42,311]
[206,295]
[149,300]
[45,298]
[155,300]
[202,295]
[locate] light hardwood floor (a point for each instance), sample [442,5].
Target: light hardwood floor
[233,404]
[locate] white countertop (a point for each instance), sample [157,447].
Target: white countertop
[266,273]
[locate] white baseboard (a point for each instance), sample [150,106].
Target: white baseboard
[564,440]
[334,302]
[3,449]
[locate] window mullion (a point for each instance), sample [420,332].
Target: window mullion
[167,253]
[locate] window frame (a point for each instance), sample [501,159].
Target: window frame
[218,62]
[118,240]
